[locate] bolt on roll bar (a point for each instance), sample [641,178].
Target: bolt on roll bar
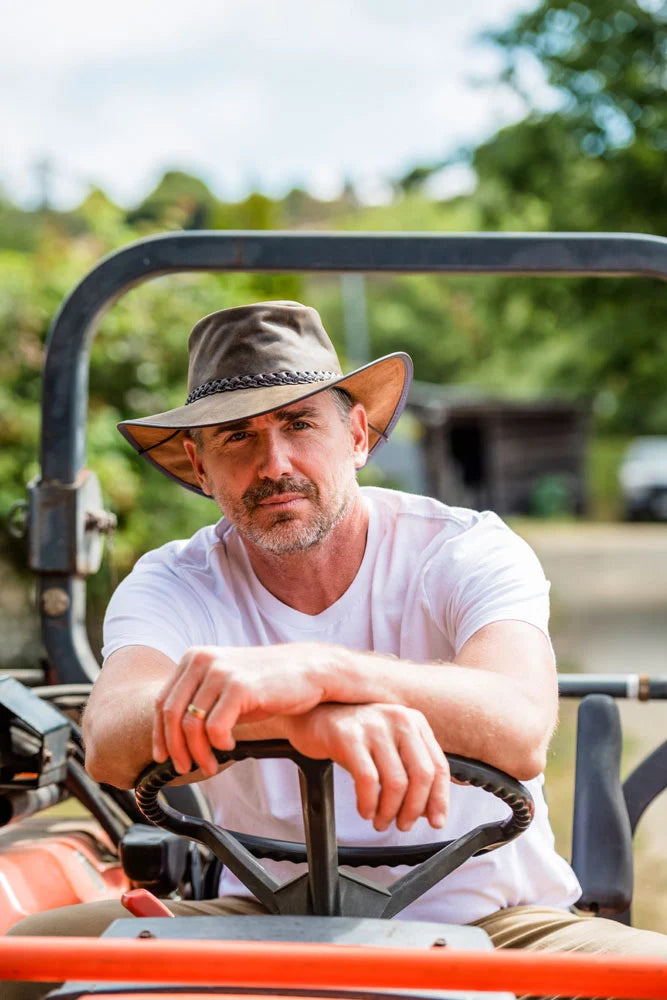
[65,520]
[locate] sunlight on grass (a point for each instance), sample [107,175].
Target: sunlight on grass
[643,727]
[69,809]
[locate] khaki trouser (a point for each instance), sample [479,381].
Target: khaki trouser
[533,928]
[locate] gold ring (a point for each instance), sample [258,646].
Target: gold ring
[198,713]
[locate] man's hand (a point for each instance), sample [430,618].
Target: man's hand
[232,686]
[399,770]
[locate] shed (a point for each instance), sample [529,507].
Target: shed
[510,457]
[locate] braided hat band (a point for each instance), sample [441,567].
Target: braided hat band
[257,382]
[249,360]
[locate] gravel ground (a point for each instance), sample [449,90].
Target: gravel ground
[608,594]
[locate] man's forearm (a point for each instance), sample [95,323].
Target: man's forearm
[117,735]
[496,702]
[473,712]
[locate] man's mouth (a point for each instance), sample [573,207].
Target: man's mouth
[279,494]
[280,500]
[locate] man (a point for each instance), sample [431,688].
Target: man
[371,627]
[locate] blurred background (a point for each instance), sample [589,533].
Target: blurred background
[504,115]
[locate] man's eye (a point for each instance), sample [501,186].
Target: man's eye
[237,436]
[300,425]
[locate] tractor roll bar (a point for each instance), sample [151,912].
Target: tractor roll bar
[64,515]
[635,687]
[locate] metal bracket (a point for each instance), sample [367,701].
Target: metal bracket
[67,524]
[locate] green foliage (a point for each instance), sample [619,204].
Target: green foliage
[417,177]
[599,160]
[178,202]
[138,359]
[608,62]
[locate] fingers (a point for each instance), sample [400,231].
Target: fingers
[172,702]
[194,727]
[366,781]
[438,800]
[393,782]
[420,773]
[203,679]
[399,769]
[229,707]
[231,686]
[178,733]
[160,752]
[415,782]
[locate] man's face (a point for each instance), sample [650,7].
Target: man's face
[285,479]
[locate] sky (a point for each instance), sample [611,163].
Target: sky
[246,94]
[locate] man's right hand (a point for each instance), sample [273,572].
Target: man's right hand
[399,770]
[232,687]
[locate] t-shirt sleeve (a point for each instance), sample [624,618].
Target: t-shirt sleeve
[152,608]
[485,574]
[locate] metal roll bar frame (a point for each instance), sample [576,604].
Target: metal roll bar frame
[65,518]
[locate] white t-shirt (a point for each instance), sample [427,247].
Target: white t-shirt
[431,577]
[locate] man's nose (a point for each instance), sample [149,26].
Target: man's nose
[274,456]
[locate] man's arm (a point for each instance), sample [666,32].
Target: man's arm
[398,768]
[497,701]
[118,720]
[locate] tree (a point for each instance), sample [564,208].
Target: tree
[607,59]
[595,163]
[180,201]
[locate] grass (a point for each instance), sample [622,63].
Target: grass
[69,809]
[643,730]
[604,459]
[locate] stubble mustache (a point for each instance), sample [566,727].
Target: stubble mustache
[269,488]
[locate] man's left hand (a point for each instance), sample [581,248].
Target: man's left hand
[399,770]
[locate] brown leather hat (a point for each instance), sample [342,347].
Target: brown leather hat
[252,359]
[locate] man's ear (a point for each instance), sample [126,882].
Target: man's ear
[192,451]
[359,431]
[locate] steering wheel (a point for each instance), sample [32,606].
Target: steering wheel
[324,889]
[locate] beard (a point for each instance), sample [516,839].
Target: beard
[285,532]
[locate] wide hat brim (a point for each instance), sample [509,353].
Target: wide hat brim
[382,386]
